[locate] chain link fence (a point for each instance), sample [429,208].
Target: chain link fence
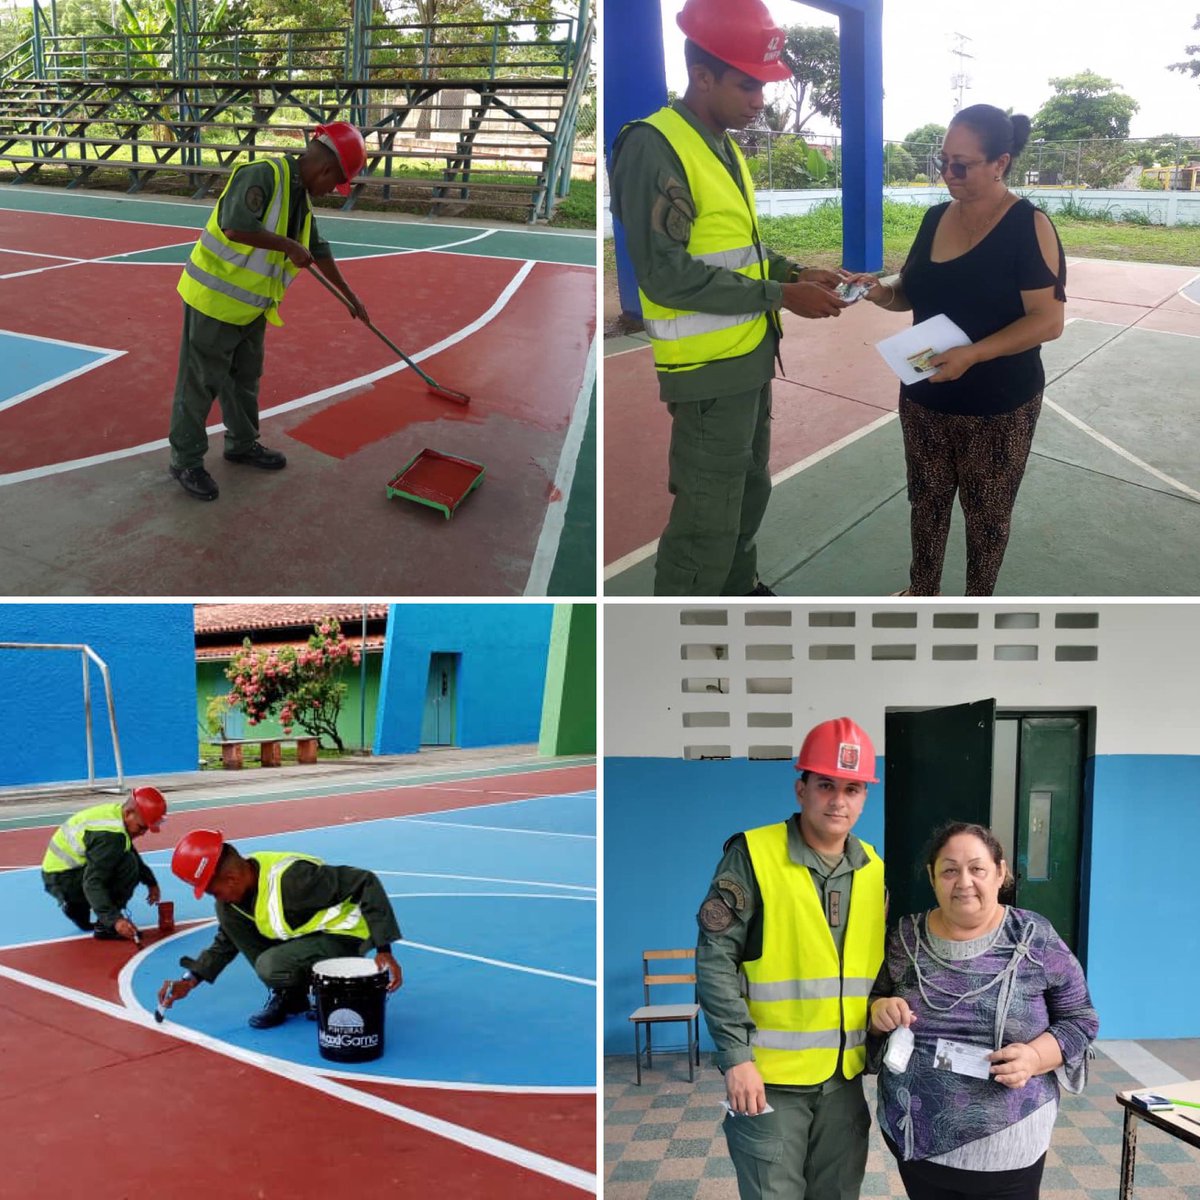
[787,161]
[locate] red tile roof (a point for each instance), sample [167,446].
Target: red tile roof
[237,618]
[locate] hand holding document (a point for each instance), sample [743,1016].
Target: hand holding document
[909,352]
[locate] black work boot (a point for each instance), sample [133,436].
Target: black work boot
[196,481]
[258,456]
[106,933]
[281,1004]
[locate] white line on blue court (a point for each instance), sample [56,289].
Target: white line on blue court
[497,962]
[453,339]
[574,887]
[490,895]
[470,826]
[105,356]
[546,552]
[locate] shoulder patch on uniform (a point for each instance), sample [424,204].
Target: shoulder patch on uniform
[715,915]
[256,200]
[732,892]
[679,215]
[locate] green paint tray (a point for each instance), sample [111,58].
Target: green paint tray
[441,481]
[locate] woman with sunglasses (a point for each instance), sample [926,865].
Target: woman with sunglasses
[994,265]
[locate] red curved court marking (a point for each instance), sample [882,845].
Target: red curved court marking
[26,846]
[524,366]
[137,310]
[219,1126]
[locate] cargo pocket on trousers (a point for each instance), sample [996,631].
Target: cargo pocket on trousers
[753,1138]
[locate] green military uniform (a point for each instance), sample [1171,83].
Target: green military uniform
[720,411]
[220,359]
[814,1145]
[105,884]
[306,889]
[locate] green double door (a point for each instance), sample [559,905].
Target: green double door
[1019,774]
[438,725]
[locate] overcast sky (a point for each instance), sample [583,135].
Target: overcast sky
[1017,45]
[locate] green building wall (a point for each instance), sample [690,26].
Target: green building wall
[569,705]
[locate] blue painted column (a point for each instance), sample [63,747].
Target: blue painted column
[862,134]
[634,86]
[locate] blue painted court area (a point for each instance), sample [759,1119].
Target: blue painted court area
[34,364]
[498,954]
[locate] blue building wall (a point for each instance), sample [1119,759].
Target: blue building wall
[150,652]
[665,821]
[501,672]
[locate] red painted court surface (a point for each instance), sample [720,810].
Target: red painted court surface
[837,522]
[83,460]
[94,1086]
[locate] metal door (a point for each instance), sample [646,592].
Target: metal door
[1050,819]
[938,769]
[437,721]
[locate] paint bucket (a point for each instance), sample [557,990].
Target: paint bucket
[350,993]
[166,916]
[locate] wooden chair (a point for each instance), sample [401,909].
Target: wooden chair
[650,1014]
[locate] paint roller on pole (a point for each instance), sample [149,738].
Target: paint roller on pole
[435,387]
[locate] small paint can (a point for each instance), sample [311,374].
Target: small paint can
[166,916]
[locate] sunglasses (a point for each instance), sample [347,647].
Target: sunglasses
[956,169]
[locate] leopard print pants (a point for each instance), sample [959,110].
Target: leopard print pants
[982,459]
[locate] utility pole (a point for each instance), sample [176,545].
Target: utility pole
[960,80]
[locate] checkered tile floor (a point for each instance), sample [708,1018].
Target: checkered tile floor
[663,1141]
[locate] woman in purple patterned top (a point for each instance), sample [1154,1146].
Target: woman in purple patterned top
[1001,1016]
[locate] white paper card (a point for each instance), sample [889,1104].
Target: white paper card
[963,1059]
[907,352]
[730,1111]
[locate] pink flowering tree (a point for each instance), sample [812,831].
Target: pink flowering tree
[300,687]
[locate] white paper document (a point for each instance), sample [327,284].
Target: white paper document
[962,1058]
[908,352]
[730,1111]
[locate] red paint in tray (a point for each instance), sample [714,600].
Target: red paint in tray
[441,481]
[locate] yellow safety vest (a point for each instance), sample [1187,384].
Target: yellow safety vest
[236,283]
[724,234]
[65,851]
[345,918]
[801,998]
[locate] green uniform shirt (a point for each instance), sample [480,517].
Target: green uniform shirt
[104,853]
[248,197]
[720,954]
[306,889]
[651,198]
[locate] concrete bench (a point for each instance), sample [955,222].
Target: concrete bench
[271,751]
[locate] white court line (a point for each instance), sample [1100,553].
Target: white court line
[491,896]
[643,552]
[542,565]
[574,887]
[587,837]
[106,260]
[134,1014]
[453,339]
[106,356]
[1147,1068]
[496,962]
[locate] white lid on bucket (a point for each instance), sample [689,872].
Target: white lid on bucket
[345,968]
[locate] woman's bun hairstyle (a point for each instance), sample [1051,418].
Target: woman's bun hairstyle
[998,133]
[1021,126]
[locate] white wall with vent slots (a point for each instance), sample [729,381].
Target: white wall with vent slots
[748,681]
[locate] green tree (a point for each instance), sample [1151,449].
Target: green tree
[1084,106]
[1192,65]
[924,142]
[302,686]
[898,164]
[812,52]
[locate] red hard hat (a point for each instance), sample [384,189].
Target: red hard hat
[741,33]
[151,806]
[839,749]
[195,858]
[347,143]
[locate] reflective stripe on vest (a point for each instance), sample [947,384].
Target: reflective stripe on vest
[723,234]
[802,999]
[345,918]
[236,283]
[66,849]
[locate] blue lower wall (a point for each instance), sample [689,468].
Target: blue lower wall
[501,672]
[665,821]
[150,652]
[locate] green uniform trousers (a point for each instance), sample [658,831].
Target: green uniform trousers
[289,964]
[216,361]
[812,1147]
[67,889]
[721,481]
